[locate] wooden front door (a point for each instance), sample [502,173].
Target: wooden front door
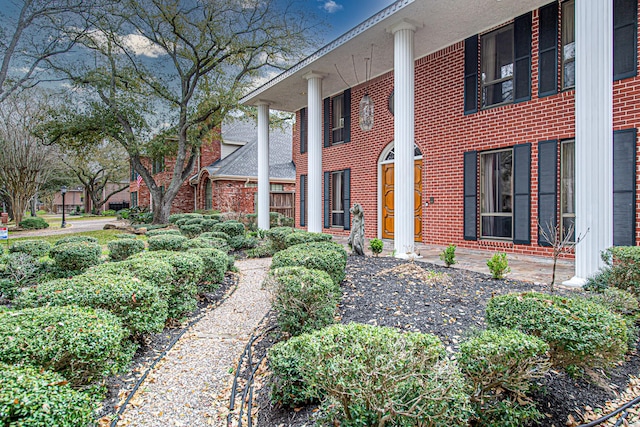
[387,200]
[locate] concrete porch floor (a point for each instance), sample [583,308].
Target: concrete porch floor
[527,268]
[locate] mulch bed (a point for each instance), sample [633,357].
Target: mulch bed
[119,386]
[409,296]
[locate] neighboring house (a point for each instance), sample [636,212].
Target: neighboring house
[225,176]
[478,135]
[77,199]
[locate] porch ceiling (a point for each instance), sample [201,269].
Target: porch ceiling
[441,23]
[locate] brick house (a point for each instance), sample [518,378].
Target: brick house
[489,119]
[226,175]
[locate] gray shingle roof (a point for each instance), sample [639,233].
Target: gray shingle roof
[244,161]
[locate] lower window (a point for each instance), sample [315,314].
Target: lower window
[337,196]
[496,194]
[134,199]
[567,190]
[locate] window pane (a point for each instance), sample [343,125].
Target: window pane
[568,44]
[497,67]
[336,201]
[338,121]
[497,182]
[567,175]
[496,226]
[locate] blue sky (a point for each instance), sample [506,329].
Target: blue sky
[345,14]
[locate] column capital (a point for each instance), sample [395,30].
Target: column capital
[314,75]
[263,102]
[404,24]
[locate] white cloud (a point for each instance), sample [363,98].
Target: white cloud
[331,6]
[142,46]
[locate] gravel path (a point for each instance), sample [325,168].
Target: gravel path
[189,387]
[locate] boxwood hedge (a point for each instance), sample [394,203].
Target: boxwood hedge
[137,303]
[76,239]
[191,230]
[33,223]
[215,234]
[374,373]
[306,237]
[325,256]
[215,264]
[79,342]
[231,228]
[32,397]
[277,236]
[304,300]
[166,242]
[579,332]
[35,248]
[122,249]
[163,232]
[76,256]
[188,269]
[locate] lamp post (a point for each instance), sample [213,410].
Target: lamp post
[63,191]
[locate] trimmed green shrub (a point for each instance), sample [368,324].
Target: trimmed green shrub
[274,219]
[79,342]
[216,234]
[135,302]
[376,246]
[623,303]
[277,236]
[498,265]
[500,365]
[263,250]
[1,250]
[163,232]
[448,256]
[374,373]
[35,398]
[34,223]
[622,270]
[122,249]
[35,248]
[109,212]
[306,237]
[125,236]
[154,271]
[231,228]
[241,242]
[16,271]
[76,256]
[215,264]
[207,224]
[286,221]
[166,242]
[188,269]
[211,242]
[194,221]
[191,230]
[579,332]
[304,300]
[325,256]
[76,239]
[181,221]
[175,217]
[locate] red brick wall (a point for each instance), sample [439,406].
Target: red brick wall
[444,133]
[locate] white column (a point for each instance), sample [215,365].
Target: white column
[594,135]
[263,165]
[314,150]
[403,121]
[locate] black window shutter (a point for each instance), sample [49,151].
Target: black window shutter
[470,195]
[548,50]
[346,98]
[522,194]
[327,200]
[522,51]
[624,187]
[327,122]
[471,75]
[625,30]
[346,198]
[547,189]
[303,130]
[303,200]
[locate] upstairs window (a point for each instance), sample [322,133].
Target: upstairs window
[568,45]
[497,67]
[158,165]
[337,122]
